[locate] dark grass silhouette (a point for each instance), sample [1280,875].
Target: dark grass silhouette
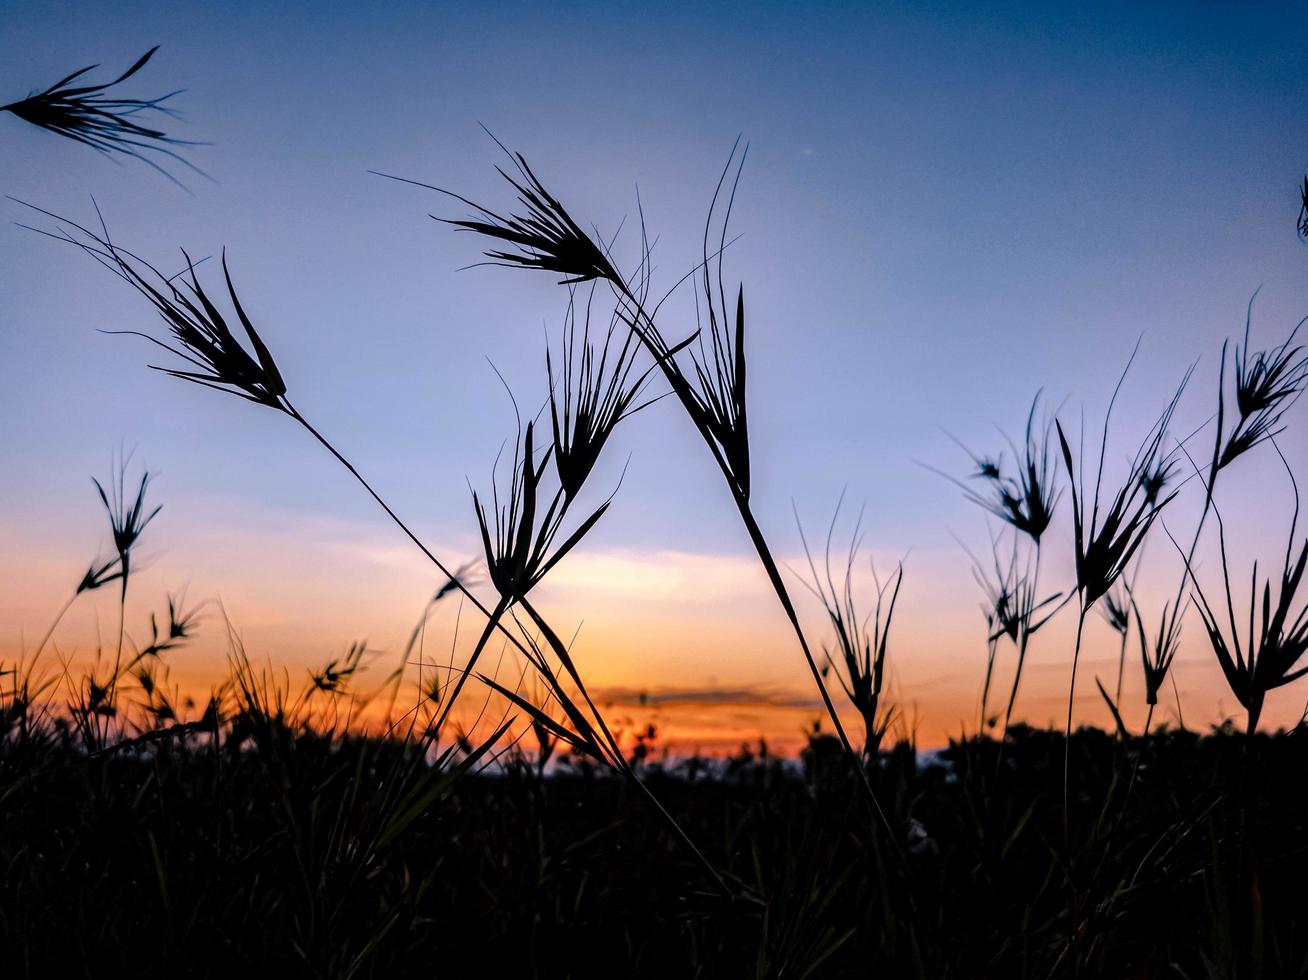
[543,235]
[259,829]
[315,828]
[1025,500]
[520,534]
[108,123]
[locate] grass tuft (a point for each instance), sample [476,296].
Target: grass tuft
[109,124]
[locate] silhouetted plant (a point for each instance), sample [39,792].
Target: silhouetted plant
[1267,383]
[519,535]
[519,539]
[1028,499]
[1303,210]
[180,627]
[1105,543]
[1276,638]
[1156,657]
[1001,615]
[594,387]
[1025,502]
[200,334]
[128,517]
[861,641]
[107,124]
[516,560]
[545,236]
[1013,610]
[1117,612]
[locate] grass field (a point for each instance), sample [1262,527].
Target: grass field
[274,845]
[479,819]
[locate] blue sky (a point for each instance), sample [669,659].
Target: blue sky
[945,208]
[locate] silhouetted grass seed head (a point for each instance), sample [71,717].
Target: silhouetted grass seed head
[1267,383]
[109,125]
[198,332]
[1027,500]
[539,233]
[1106,540]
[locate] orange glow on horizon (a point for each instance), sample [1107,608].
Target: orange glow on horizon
[693,644]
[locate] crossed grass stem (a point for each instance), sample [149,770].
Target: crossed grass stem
[203,339]
[1104,548]
[546,237]
[593,739]
[215,358]
[519,537]
[494,622]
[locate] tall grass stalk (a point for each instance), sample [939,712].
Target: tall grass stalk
[545,236]
[861,640]
[200,335]
[1105,543]
[1267,384]
[1026,501]
[523,550]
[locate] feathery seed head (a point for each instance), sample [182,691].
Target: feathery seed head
[591,391]
[1026,501]
[1267,383]
[1157,656]
[518,535]
[1105,543]
[1116,609]
[199,333]
[538,234]
[109,125]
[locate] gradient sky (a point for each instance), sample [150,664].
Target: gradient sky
[945,208]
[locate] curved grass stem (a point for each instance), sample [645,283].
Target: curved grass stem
[494,621]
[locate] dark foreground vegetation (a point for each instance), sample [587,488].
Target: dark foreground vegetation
[309,855]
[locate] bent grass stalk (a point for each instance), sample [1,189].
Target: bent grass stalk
[546,237]
[216,359]
[1026,502]
[1105,544]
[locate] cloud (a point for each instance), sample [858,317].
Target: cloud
[736,696]
[658,576]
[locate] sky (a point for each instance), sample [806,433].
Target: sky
[945,209]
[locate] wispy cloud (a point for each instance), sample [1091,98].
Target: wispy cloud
[658,576]
[736,696]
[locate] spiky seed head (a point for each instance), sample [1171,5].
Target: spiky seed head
[109,125]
